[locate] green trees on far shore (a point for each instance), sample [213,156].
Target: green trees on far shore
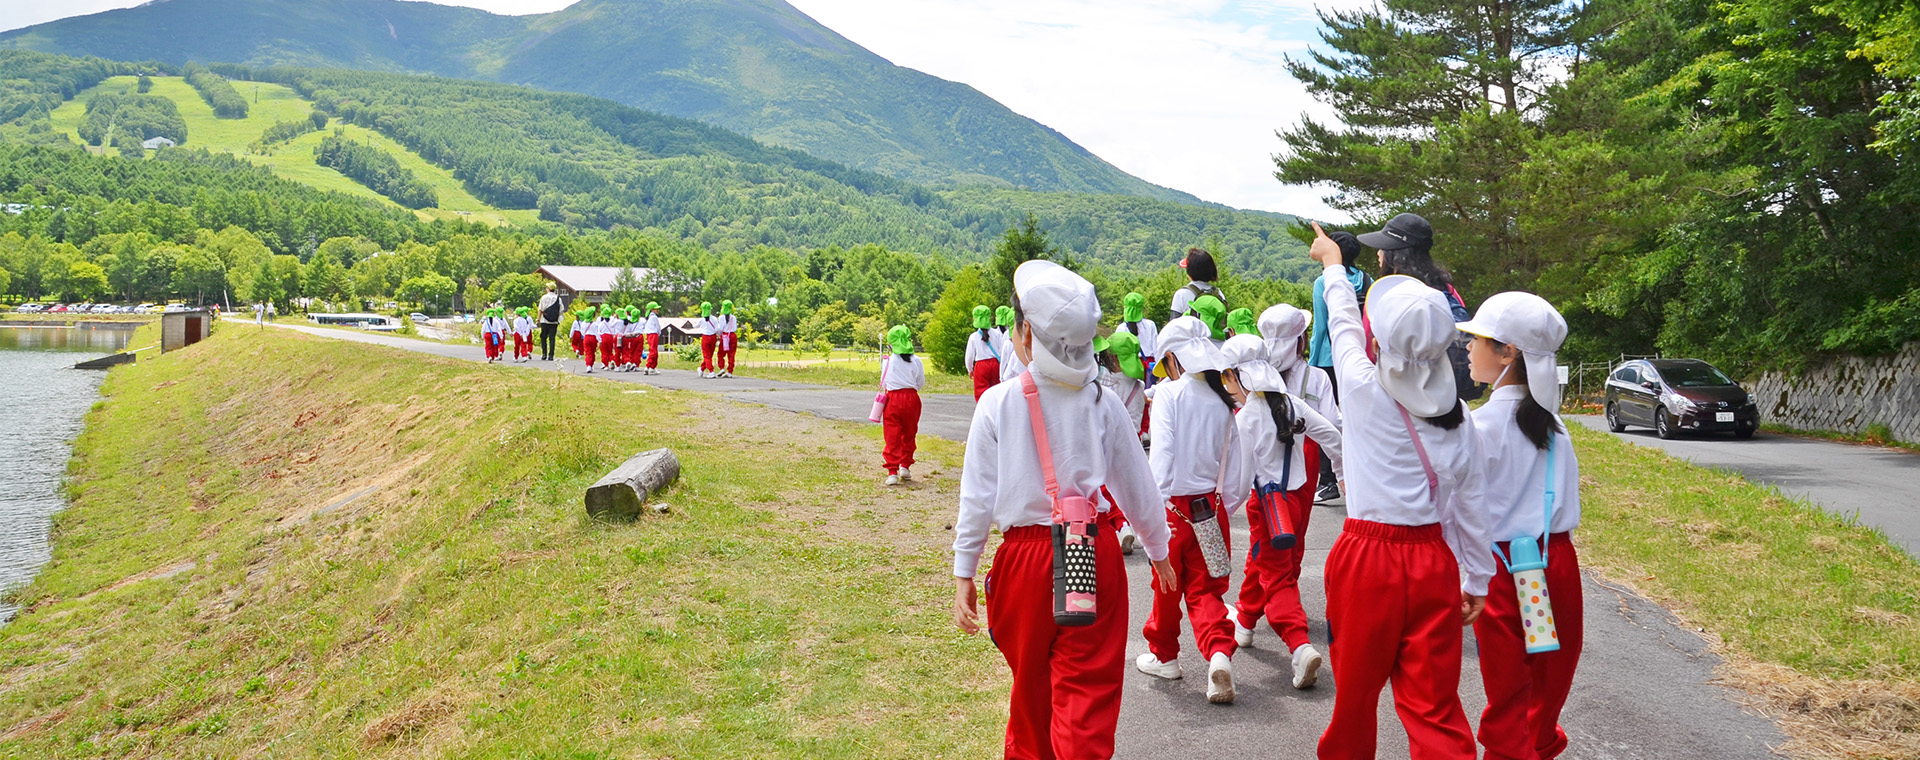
[368,165]
[217,91]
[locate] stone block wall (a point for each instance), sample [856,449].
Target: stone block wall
[1846,395]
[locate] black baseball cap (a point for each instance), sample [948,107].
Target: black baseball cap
[1403,231]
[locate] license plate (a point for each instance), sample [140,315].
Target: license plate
[1723,417]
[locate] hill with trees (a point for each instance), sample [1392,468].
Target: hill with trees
[758,67]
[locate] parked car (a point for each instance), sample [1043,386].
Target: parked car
[31,308]
[418,317]
[158,308]
[1675,396]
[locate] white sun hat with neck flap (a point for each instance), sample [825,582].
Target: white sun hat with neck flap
[1246,355]
[1535,329]
[1413,325]
[1191,341]
[1283,324]
[1063,313]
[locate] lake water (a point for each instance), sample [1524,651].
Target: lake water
[42,401]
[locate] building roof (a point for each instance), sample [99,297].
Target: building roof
[590,279]
[157,142]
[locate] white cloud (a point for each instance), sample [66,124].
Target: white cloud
[1183,93]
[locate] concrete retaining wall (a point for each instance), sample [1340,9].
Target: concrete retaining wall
[1846,395]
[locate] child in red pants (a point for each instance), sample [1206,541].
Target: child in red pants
[493,331]
[709,339]
[1052,438]
[984,348]
[901,378]
[609,336]
[650,331]
[1285,468]
[1417,523]
[1529,644]
[1200,465]
[729,347]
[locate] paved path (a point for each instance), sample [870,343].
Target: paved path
[1644,691]
[1880,486]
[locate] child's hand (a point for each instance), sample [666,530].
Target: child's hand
[1164,576]
[1324,250]
[965,614]
[1470,607]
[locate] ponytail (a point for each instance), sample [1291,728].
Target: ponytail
[1283,420]
[1449,419]
[1213,381]
[1536,422]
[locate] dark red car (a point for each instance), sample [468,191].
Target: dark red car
[1675,396]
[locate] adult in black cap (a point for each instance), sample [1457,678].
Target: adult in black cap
[1406,247]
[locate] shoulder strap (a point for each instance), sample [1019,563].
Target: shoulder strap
[1433,478]
[1039,423]
[1547,533]
[1226,442]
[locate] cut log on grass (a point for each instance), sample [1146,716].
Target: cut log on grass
[622,493]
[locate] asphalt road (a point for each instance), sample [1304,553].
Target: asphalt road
[1644,690]
[1879,486]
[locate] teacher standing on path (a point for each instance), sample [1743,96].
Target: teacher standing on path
[549,322]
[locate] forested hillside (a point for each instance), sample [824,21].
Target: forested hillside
[1732,179]
[759,67]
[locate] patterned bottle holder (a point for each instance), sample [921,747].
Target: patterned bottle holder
[1273,506]
[1206,533]
[1074,571]
[1529,570]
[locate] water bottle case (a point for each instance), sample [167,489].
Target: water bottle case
[1074,569]
[1279,521]
[1206,532]
[1527,560]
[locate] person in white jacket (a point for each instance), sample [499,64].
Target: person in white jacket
[1285,328]
[650,331]
[1277,428]
[1533,502]
[985,346]
[1053,433]
[1200,465]
[1411,566]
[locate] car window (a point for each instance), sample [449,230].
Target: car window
[1695,376]
[1627,375]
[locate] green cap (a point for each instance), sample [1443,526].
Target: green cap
[1240,321]
[982,317]
[726,307]
[653,306]
[706,308]
[1003,316]
[1133,308]
[901,339]
[1126,349]
[1211,311]
[605,311]
[1099,345]
[586,313]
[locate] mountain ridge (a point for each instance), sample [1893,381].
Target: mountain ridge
[759,67]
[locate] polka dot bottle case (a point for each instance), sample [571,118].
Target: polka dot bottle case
[1529,570]
[1074,602]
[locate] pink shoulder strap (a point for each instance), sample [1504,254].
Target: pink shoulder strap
[1433,478]
[1039,422]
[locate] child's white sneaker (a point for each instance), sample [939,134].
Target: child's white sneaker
[1242,635]
[589,369]
[1306,666]
[1220,679]
[1151,665]
[892,479]
[1128,539]
[905,475]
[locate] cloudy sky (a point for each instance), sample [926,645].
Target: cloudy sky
[1184,93]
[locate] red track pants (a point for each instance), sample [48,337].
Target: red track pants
[1271,584]
[707,345]
[1201,592]
[589,343]
[1066,681]
[1393,609]
[493,345]
[653,350]
[898,426]
[986,374]
[575,340]
[607,345]
[1526,691]
[729,350]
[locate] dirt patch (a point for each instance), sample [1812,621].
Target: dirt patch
[1828,719]
[412,721]
[31,725]
[164,571]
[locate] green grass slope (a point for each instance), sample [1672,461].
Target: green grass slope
[760,67]
[365,553]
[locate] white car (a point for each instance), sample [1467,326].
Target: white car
[418,317]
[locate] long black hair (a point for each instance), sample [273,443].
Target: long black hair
[1536,422]
[1451,418]
[1417,263]
[1200,265]
[1212,377]
[1283,419]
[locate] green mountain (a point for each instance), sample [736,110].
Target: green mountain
[758,67]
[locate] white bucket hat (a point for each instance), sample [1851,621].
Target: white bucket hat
[1064,314]
[1246,355]
[1535,329]
[1413,325]
[1283,324]
[1192,341]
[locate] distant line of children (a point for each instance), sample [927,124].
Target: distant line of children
[1454,518]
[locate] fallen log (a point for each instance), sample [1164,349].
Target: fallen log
[622,494]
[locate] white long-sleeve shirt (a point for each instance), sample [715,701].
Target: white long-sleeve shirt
[494,325]
[1149,336]
[991,347]
[1390,485]
[900,374]
[1010,364]
[1256,428]
[650,325]
[1516,472]
[523,326]
[1132,393]
[1189,425]
[579,327]
[1311,385]
[1092,444]
[728,323]
[709,326]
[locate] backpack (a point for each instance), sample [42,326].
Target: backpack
[1210,289]
[1457,352]
[551,314]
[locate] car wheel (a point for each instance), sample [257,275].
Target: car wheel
[1613,418]
[1663,424]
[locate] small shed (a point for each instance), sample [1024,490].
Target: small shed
[156,143]
[179,329]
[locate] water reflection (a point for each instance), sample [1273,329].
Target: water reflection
[92,338]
